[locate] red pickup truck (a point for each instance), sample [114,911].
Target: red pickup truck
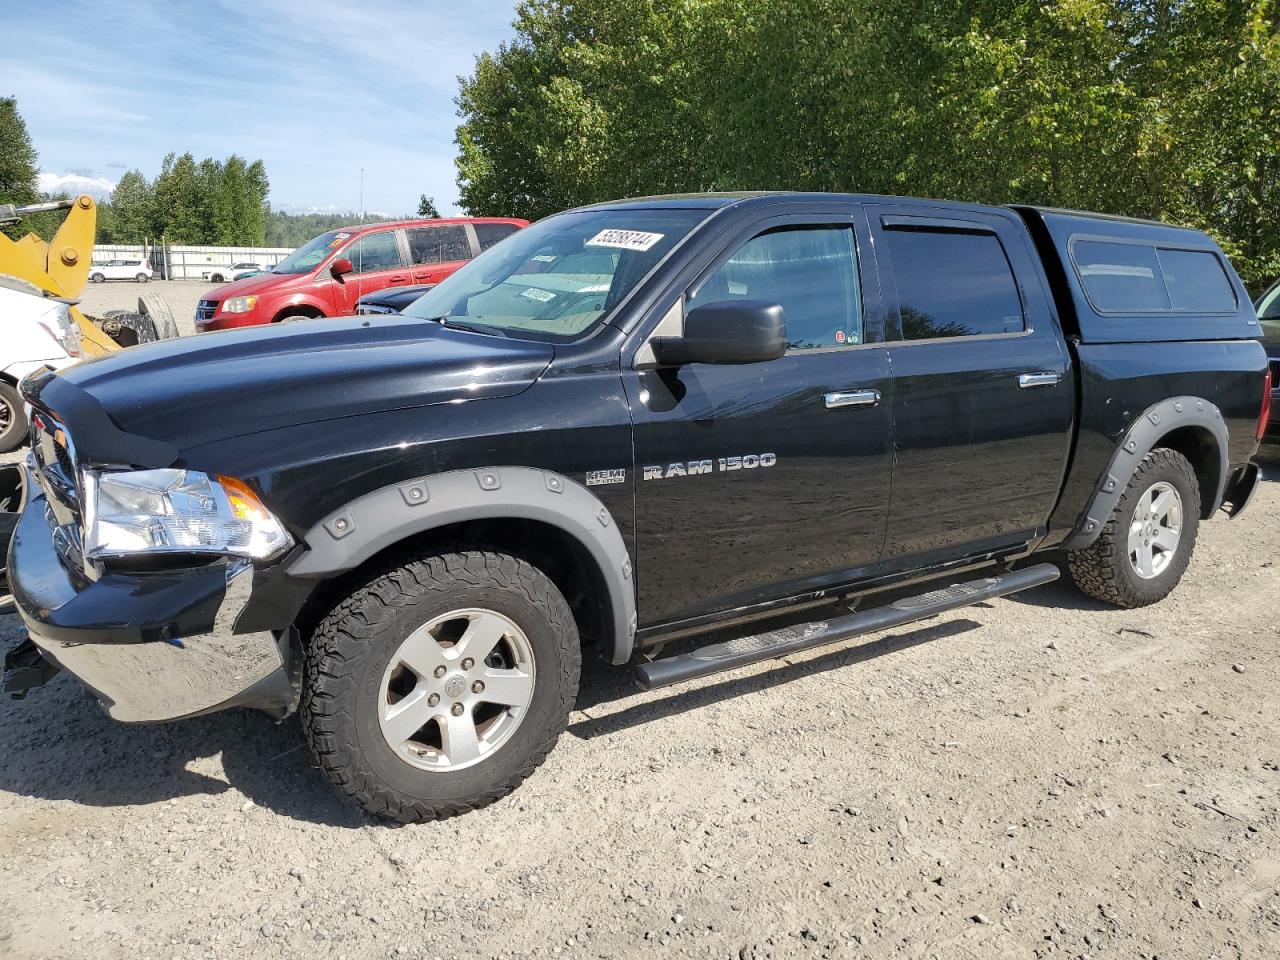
[327,275]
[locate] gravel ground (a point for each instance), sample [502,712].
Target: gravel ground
[123,295]
[1035,777]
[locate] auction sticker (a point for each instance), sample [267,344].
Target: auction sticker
[624,239]
[542,296]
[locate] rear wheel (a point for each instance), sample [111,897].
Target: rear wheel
[141,278]
[1146,544]
[441,685]
[13,419]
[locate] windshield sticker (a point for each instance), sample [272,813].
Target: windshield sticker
[624,239]
[544,258]
[542,296]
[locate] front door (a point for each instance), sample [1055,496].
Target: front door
[378,262]
[761,481]
[983,400]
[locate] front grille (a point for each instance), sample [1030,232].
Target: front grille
[205,309]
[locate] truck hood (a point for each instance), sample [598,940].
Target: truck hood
[195,390]
[262,283]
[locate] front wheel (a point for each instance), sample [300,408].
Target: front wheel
[97,278]
[441,685]
[13,418]
[1146,544]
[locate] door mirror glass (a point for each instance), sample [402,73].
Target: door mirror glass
[729,331]
[340,268]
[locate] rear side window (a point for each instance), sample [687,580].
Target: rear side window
[953,284]
[1143,278]
[1196,281]
[439,244]
[811,272]
[490,233]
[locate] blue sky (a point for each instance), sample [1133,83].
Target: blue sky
[316,89]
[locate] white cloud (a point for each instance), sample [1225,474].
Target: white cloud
[75,183]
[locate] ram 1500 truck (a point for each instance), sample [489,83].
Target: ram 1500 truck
[627,425]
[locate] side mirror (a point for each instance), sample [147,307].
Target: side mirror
[340,268]
[729,331]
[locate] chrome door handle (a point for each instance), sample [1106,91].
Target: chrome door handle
[1042,379]
[852,398]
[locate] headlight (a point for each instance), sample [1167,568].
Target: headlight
[62,327]
[177,511]
[239,304]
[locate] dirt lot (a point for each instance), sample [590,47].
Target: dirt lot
[1037,777]
[123,295]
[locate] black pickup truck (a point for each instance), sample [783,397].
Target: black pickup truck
[625,426]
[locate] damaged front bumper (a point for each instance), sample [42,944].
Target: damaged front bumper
[155,645]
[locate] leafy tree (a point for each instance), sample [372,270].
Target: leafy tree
[132,210]
[427,208]
[1164,108]
[18,175]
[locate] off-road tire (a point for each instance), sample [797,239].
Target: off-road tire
[13,427]
[1104,571]
[156,308]
[349,652]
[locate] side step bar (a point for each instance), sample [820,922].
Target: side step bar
[731,654]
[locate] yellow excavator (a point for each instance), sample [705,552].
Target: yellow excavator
[59,269]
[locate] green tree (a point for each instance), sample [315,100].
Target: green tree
[18,174]
[180,204]
[427,207]
[133,218]
[1165,108]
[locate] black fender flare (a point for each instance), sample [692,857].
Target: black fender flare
[1142,436]
[372,522]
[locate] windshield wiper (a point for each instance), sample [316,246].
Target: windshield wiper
[468,327]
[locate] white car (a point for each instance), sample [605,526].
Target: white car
[218,274]
[139,270]
[34,333]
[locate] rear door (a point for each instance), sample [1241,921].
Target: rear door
[379,261]
[438,250]
[761,481]
[983,400]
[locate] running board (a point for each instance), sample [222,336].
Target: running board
[742,651]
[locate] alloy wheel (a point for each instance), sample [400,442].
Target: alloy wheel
[1155,530]
[456,689]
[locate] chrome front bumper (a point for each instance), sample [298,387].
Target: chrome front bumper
[150,646]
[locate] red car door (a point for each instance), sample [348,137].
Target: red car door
[377,261]
[437,250]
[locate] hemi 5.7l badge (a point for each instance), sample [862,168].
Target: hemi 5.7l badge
[596,478]
[694,468]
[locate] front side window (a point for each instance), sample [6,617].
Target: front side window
[440,244]
[561,277]
[811,271]
[375,251]
[953,284]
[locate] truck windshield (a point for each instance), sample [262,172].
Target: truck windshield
[308,256]
[558,278]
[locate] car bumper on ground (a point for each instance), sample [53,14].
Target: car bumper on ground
[151,646]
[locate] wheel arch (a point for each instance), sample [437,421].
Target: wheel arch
[302,307]
[551,521]
[1194,427]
